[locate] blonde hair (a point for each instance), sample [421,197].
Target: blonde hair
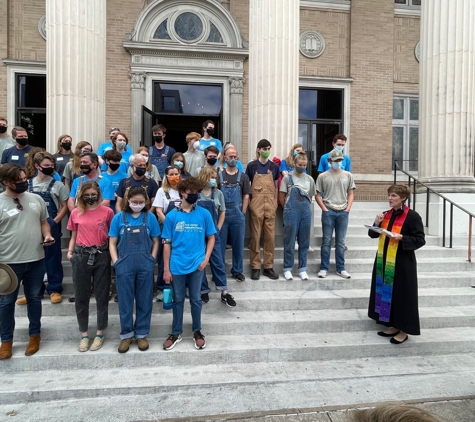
[81,205]
[149,164]
[290,158]
[77,153]
[395,413]
[60,139]
[205,175]
[165,185]
[300,156]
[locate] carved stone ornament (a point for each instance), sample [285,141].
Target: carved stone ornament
[237,85]
[137,80]
[312,44]
[417,51]
[42,27]
[129,36]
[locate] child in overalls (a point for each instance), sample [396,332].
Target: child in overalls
[212,199]
[295,196]
[136,231]
[167,199]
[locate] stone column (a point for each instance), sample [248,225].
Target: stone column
[447,95]
[137,86]
[273,74]
[76,70]
[237,87]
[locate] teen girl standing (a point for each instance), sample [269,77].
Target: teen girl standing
[90,258]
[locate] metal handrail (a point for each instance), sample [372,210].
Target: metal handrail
[412,182]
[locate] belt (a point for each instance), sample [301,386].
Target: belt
[92,251]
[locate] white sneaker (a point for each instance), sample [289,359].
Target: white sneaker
[296,246]
[45,278]
[344,274]
[303,275]
[322,273]
[288,275]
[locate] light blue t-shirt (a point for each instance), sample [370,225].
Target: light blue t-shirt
[115,180]
[117,224]
[106,146]
[187,232]
[324,165]
[208,143]
[106,187]
[285,167]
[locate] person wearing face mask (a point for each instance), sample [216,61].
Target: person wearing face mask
[339,187]
[30,166]
[72,169]
[17,154]
[339,142]
[89,254]
[195,158]
[288,164]
[152,172]
[236,189]
[295,196]
[178,160]
[114,173]
[6,141]
[263,174]
[119,144]
[133,247]
[211,158]
[212,199]
[207,140]
[64,154]
[160,153]
[138,178]
[108,145]
[24,229]
[89,163]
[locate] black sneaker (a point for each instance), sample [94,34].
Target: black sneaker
[200,342]
[228,300]
[271,274]
[255,274]
[72,299]
[239,277]
[116,298]
[205,297]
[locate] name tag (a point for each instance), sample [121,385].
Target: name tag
[13,212]
[15,157]
[136,231]
[59,159]
[212,143]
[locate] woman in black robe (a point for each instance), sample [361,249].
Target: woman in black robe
[404,312]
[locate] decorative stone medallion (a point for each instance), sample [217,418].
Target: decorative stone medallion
[417,51]
[312,44]
[42,27]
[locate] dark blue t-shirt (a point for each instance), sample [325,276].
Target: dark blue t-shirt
[14,155]
[262,169]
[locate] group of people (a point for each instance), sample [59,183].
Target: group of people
[128,211]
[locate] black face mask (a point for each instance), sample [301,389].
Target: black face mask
[114,167]
[22,141]
[192,198]
[21,187]
[157,139]
[91,200]
[140,171]
[211,161]
[47,171]
[85,168]
[66,146]
[210,131]
[3,129]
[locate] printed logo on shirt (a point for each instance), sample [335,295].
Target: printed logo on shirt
[182,226]
[32,205]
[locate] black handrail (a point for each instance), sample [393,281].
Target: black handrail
[414,181]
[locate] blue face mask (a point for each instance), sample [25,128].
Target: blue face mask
[336,165]
[339,148]
[296,153]
[212,183]
[178,164]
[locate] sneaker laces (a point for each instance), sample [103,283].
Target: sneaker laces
[198,335]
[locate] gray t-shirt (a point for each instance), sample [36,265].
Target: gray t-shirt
[58,191]
[335,185]
[6,143]
[218,200]
[305,183]
[194,161]
[20,230]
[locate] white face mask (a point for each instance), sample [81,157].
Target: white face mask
[196,145]
[145,157]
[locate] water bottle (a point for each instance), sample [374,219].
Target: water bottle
[167,298]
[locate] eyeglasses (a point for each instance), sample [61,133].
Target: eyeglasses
[18,204]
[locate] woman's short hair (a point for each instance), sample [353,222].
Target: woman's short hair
[81,204]
[401,190]
[394,413]
[135,190]
[11,173]
[205,175]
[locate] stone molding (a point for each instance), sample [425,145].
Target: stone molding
[137,80]
[417,51]
[237,85]
[311,44]
[42,27]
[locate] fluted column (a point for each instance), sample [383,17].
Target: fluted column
[273,74]
[76,70]
[237,88]
[447,95]
[137,86]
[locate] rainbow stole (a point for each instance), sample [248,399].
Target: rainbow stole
[385,274]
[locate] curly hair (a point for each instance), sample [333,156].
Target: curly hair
[395,413]
[190,183]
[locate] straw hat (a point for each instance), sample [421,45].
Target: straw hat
[8,280]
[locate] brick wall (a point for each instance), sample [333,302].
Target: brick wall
[372,191]
[406,36]
[335,28]
[4,12]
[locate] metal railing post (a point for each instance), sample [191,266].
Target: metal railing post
[443,224]
[451,223]
[427,208]
[470,238]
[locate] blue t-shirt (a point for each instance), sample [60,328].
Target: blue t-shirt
[117,224]
[324,165]
[16,156]
[106,146]
[285,167]
[124,162]
[115,180]
[262,169]
[187,232]
[208,143]
[106,187]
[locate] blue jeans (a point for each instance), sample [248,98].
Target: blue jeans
[31,273]
[193,280]
[54,267]
[235,225]
[218,268]
[338,221]
[297,221]
[134,282]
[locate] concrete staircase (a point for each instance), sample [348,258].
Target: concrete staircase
[287,345]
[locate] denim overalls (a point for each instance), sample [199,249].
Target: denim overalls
[160,161]
[297,221]
[234,223]
[53,257]
[134,278]
[216,260]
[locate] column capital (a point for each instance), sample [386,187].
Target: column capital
[137,80]
[237,85]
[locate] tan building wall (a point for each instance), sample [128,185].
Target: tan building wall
[4,17]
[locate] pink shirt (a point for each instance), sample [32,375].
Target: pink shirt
[92,226]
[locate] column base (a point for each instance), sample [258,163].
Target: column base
[450,184]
